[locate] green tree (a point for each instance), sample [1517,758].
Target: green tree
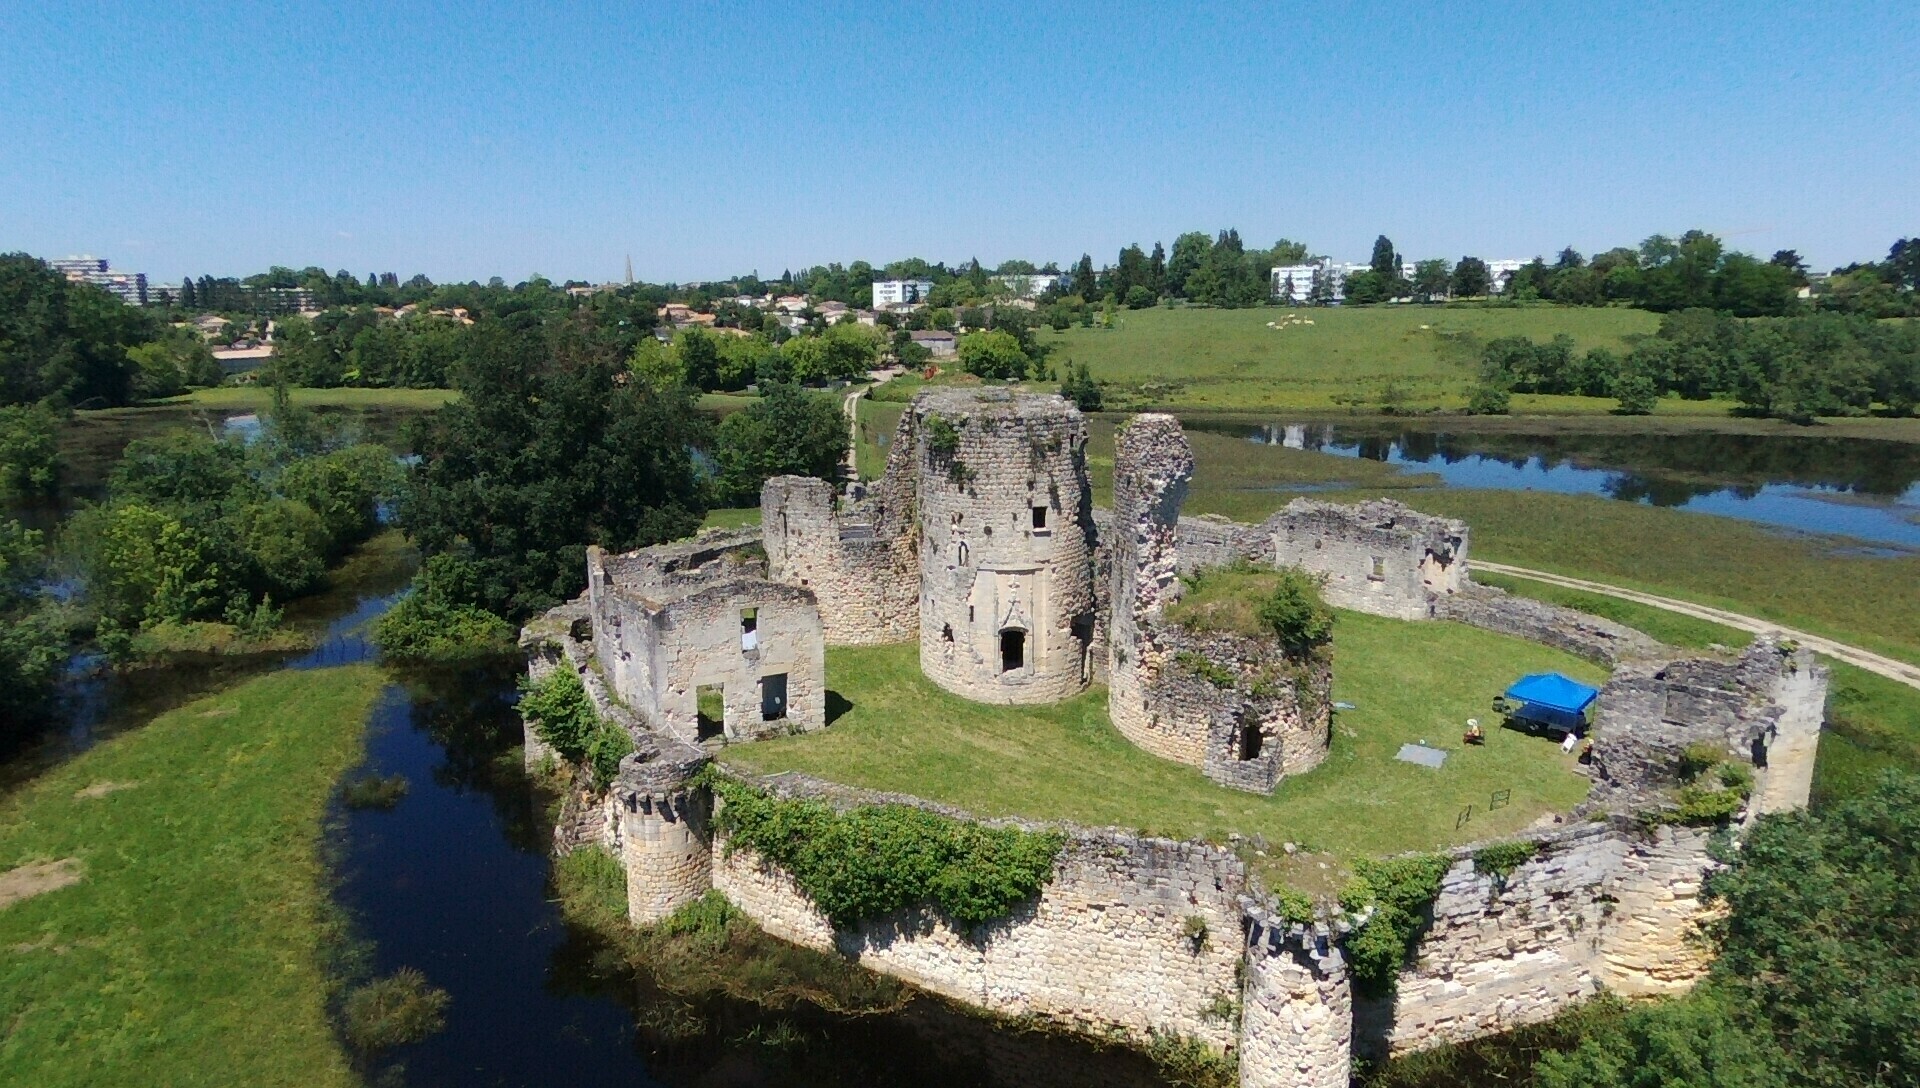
[1080,388]
[29,450]
[548,450]
[993,354]
[786,432]
[1431,279]
[1470,278]
[32,638]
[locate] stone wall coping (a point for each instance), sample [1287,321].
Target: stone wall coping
[795,785]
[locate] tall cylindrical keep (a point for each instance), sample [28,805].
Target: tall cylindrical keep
[1006,545]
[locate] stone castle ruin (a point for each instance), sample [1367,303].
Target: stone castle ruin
[1243,710]
[981,541]
[672,623]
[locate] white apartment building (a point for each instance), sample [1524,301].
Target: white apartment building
[893,294]
[1029,284]
[1498,272]
[1292,282]
[129,287]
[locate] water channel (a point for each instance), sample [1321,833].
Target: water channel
[1861,488]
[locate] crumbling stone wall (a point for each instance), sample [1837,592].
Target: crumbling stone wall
[1382,557]
[1006,543]
[1296,1014]
[1579,633]
[1765,706]
[662,629]
[1107,947]
[1152,464]
[666,842]
[1605,906]
[862,563]
[1242,710]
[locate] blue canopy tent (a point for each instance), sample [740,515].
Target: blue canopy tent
[1550,699]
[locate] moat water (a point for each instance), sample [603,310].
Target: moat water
[1862,488]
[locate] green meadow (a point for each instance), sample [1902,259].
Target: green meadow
[183,926]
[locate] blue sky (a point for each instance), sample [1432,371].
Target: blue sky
[472,140]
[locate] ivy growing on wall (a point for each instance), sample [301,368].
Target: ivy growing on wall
[563,715]
[1399,890]
[1502,858]
[868,862]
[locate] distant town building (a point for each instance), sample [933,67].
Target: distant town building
[1029,285]
[1499,272]
[900,294]
[1294,282]
[129,287]
[940,342]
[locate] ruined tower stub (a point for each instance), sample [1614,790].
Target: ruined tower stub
[1296,1018]
[1006,544]
[1152,464]
[665,839]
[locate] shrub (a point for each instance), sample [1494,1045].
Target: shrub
[1489,399]
[423,630]
[1501,859]
[1295,612]
[871,861]
[1295,906]
[1697,758]
[1399,890]
[1186,1062]
[387,1012]
[563,715]
[943,438]
[1701,806]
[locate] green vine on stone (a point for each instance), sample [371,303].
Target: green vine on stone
[563,715]
[1501,859]
[868,862]
[1399,890]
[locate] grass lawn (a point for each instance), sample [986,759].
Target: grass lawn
[260,397]
[1229,359]
[732,518]
[192,949]
[1408,681]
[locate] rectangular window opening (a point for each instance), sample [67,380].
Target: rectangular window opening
[1013,650]
[1379,569]
[1250,742]
[773,697]
[1039,517]
[749,628]
[710,720]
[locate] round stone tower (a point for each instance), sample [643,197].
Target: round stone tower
[1006,544]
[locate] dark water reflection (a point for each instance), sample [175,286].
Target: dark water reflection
[453,881]
[1855,487]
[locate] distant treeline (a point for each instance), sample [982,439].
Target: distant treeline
[68,344]
[1784,367]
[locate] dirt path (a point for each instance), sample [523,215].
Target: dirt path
[850,407]
[1840,651]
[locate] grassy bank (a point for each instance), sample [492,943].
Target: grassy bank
[191,950]
[1231,360]
[1408,682]
[260,397]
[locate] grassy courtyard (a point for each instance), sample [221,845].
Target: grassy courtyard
[1407,681]
[188,943]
